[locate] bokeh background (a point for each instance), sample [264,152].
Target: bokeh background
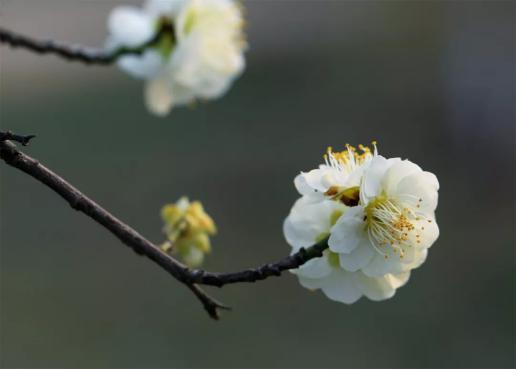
[431,81]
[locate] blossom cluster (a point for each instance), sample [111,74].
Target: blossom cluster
[188,229]
[190,49]
[378,216]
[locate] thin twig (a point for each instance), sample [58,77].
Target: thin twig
[68,52]
[293,261]
[211,305]
[130,237]
[77,52]
[24,140]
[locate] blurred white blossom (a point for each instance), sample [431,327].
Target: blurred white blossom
[193,49]
[378,216]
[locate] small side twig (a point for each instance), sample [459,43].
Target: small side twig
[24,140]
[211,305]
[130,237]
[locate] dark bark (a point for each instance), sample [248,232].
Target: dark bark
[77,52]
[130,237]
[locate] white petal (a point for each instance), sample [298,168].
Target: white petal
[315,269]
[310,182]
[339,286]
[418,260]
[397,172]
[348,232]
[146,66]
[158,96]
[330,176]
[130,26]
[206,64]
[305,189]
[354,178]
[428,232]
[431,180]
[380,266]
[420,191]
[211,16]
[357,259]
[319,213]
[310,283]
[375,289]
[301,185]
[299,234]
[372,180]
[398,280]
[308,220]
[182,95]
[319,180]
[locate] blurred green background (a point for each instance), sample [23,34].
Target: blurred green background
[431,81]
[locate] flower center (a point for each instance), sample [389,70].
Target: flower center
[347,162]
[389,223]
[350,158]
[165,36]
[348,196]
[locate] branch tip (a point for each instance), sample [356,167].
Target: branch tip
[211,305]
[26,139]
[9,136]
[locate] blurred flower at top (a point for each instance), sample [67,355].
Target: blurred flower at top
[192,49]
[188,229]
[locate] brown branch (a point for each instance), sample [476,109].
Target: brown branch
[122,231]
[190,277]
[257,274]
[68,52]
[77,52]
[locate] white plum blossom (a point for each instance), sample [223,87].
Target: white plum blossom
[378,215]
[393,225]
[193,49]
[310,222]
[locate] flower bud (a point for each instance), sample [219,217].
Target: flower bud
[187,227]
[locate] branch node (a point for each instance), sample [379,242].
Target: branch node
[301,256]
[274,269]
[75,203]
